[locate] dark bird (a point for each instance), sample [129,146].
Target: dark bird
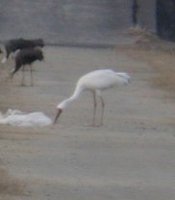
[27,57]
[11,46]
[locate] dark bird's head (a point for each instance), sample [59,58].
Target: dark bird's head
[39,53]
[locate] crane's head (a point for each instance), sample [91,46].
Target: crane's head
[61,107]
[59,111]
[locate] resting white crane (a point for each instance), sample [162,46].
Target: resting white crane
[95,81]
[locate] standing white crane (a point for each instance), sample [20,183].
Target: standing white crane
[95,81]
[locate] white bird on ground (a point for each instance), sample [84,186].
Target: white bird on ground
[95,81]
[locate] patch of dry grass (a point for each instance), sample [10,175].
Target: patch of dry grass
[8,185]
[157,53]
[164,64]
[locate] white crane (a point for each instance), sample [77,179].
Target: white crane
[95,81]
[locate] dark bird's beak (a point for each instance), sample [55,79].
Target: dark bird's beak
[59,111]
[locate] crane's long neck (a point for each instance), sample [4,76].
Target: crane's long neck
[74,96]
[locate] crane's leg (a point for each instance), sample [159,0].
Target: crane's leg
[102,110]
[31,75]
[94,108]
[98,92]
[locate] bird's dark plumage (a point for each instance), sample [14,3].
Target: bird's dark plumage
[27,57]
[20,43]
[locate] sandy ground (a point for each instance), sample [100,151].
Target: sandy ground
[132,157]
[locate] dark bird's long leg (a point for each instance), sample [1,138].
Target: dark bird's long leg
[23,76]
[13,71]
[31,75]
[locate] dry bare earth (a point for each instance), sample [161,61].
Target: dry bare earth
[9,187]
[132,157]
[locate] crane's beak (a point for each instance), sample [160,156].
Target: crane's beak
[59,111]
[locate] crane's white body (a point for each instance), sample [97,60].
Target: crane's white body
[96,81]
[102,79]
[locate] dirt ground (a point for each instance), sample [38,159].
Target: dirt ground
[131,157]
